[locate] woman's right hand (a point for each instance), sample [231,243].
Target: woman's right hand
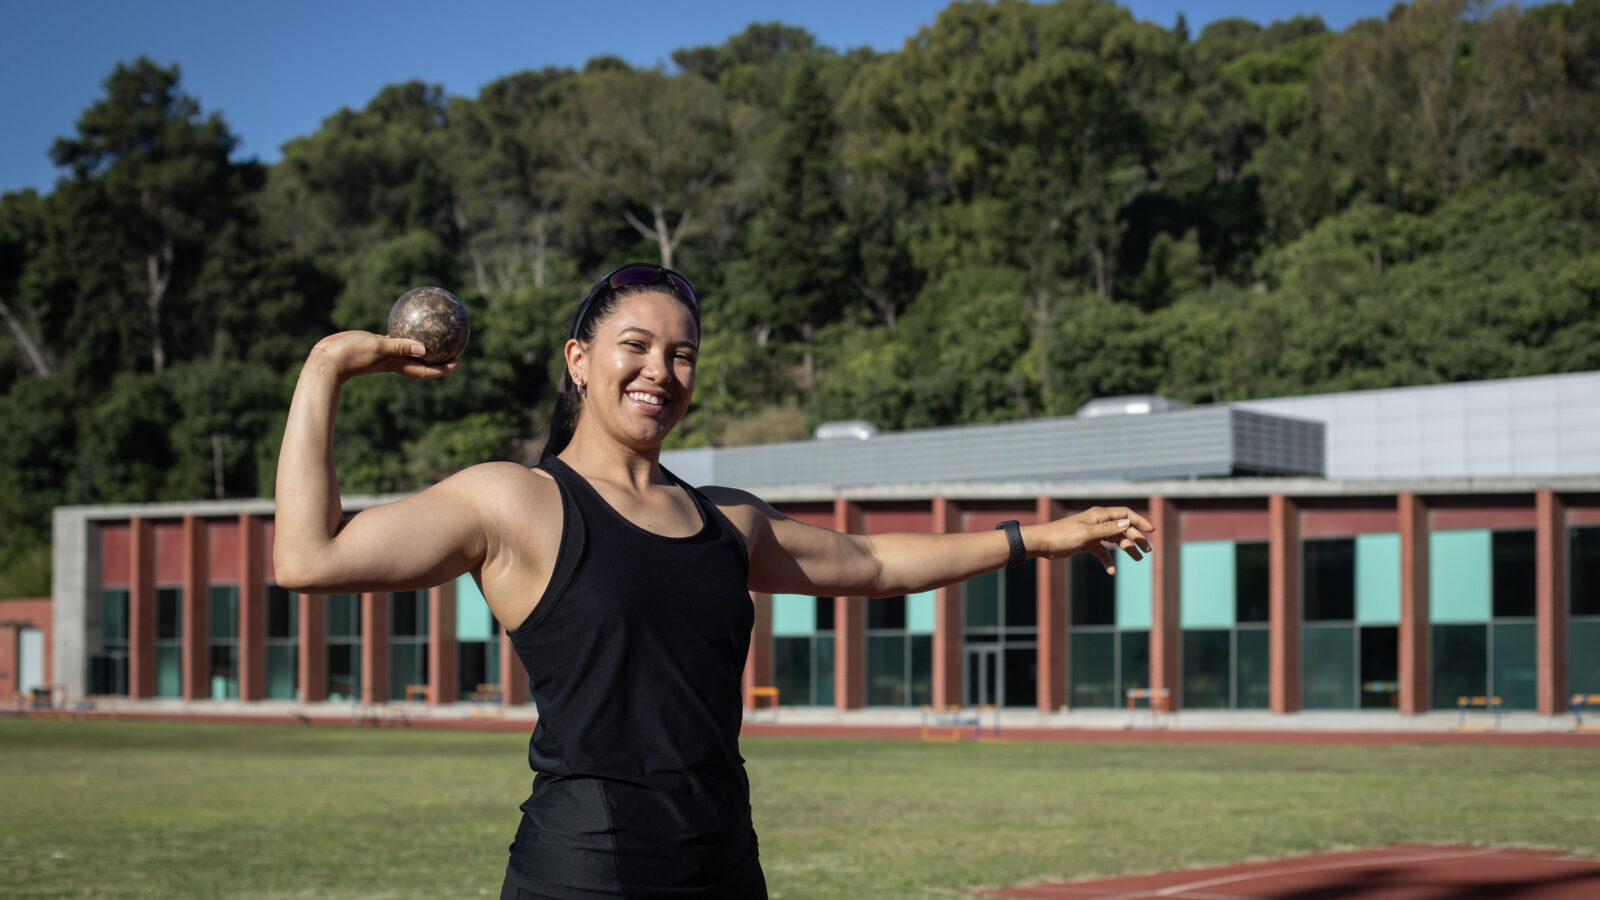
[351,353]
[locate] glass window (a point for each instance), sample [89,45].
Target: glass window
[921,669]
[283,613]
[886,613]
[222,661]
[223,609]
[1250,582]
[825,608]
[408,667]
[1460,654]
[886,671]
[169,614]
[1094,668]
[1021,676]
[1252,671]
[1022,596]
[408,614]
[823,678]
[1092,592]
[1583,657]
[981,600]
[478,665]
[1330,577]
[283,671]
[1515,667]
[1206,673]
[1133,650]
[114,615]
[344,671]
[344,615]
[791,670]
[1583,561]
[222,668]
[1513,573]
[1380,667]
[1328,666]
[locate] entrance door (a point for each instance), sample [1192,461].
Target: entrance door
[984,682]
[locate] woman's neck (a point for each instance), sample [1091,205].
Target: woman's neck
[599,457]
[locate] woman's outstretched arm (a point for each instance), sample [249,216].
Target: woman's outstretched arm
[417,542]
[787,556]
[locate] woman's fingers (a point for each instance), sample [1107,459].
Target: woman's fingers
[1104,555]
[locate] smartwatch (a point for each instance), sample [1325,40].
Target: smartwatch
[1013,530]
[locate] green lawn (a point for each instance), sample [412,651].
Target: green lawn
[164,810]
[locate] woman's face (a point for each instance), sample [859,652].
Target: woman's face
[638,371]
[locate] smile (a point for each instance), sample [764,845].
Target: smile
[643,397]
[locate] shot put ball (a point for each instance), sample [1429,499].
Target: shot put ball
[434,317]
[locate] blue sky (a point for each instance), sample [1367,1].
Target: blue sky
[276,70]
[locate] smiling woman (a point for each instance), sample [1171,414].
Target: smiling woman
[625,591]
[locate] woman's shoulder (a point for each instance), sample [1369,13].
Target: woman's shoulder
[494,483]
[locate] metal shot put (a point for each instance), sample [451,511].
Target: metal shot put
[435,318]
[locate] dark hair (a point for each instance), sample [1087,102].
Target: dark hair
[569,400]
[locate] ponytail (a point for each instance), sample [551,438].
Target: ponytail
[564,418]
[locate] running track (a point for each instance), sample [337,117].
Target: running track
[1402,872]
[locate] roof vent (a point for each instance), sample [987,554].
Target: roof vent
[853,429]
[1128,405]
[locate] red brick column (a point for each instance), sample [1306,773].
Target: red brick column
[1283,598]
[1414,617]
[375,647]
[1550,567]
[758,662]
[252,609]
[142,609]
[1054,626]
[196,609]
[947,621]
[1165,630]
[313,661]
[443,673]
[849,624]
[513,678]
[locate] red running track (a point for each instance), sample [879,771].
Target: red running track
[1401,872]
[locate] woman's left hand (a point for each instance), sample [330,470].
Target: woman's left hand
[1091,530]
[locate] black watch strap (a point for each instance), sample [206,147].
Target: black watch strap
[1019,554]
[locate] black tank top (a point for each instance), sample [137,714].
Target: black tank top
[634,657]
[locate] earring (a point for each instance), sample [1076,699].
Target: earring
[579,382]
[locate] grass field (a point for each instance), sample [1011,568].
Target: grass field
[167,810]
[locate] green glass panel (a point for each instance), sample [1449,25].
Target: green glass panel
[344,615]
[1378,579]
[169,671]
[1460,661]
[1133,591]
[1252,673]
[794,615]
[982,601]
[886,671]
[1328,667]
[1094,669]
[1516,671]
[282,674]
[223,613]
[1458,577]
[474,622]
[1583,561]
[921,669]
[1133,663]
[791,670]
[169,613]
[407,666]
[1583,658]
[1206,675]
[1206,591]
[1021,677]
[114,614]
[919,613]
[823,677]
[223,664]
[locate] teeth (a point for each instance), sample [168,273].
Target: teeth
[642,397]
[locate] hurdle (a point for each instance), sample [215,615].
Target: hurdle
[1492,704]
[1579,702]
[948,724]
[1156,702]
[759,693]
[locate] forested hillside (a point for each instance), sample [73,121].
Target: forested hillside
[1024,207]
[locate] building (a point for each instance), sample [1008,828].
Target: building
[1385,549]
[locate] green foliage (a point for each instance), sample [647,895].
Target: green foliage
[1026,206]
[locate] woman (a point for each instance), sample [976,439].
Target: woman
[624,590]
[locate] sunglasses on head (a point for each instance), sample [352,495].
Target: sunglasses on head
[636,273]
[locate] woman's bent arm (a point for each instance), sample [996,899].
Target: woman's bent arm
[416,542]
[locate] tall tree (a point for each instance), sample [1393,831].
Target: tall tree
[159,173]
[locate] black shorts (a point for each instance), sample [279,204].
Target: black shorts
[746,883]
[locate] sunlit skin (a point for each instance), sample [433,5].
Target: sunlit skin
[501,522]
